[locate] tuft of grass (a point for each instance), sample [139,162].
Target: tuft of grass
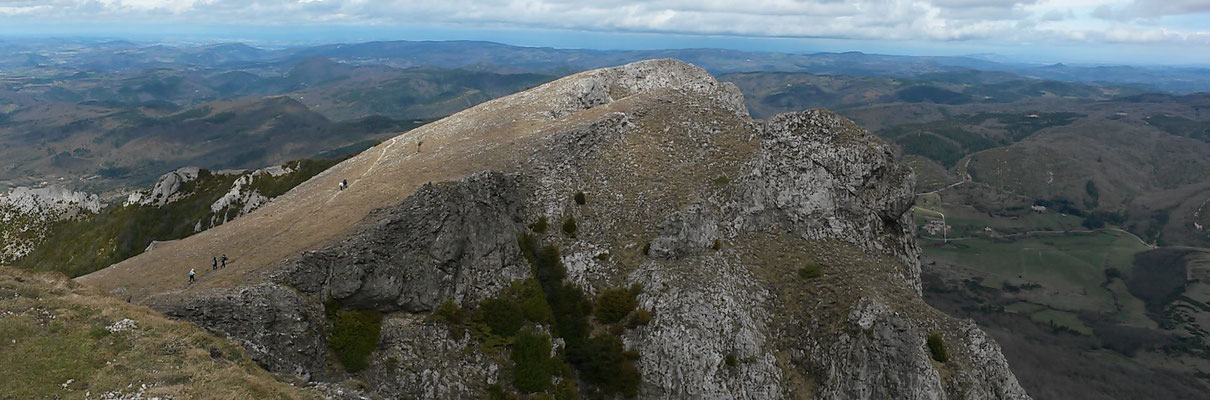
[809,272]
[580,199]
[718,245]
[354,334]
[539,226]
[731,360]
[569,227]
[937,348]
[722,180]
[647,249]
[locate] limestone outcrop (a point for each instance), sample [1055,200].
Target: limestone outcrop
[775,257]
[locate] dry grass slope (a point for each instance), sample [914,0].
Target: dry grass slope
[63,340]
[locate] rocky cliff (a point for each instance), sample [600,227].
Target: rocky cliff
[628,231]
[27,213]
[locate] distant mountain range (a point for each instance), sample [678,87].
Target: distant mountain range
[502,58]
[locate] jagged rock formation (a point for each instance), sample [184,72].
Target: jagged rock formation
[27,213]
[447,241]
[167,188]
[651,174]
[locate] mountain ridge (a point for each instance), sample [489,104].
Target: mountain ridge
[774,257]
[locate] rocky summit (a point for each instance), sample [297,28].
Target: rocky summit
[621,232]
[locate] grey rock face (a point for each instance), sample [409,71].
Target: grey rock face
[700,320]
[822,177]
[166,188]
[687,232]
[603,86]
[857,361]
[454,240]
[280,328]
[27,213]
[426,361]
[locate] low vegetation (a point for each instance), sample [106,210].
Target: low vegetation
[569,227]
[615,304]
[539,226]
[937,348]
[515,319]
[515,322]
[809,272]
[60,339]
[534,367]
[580,199]
[354,334]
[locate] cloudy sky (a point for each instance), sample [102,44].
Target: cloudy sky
[1114,31]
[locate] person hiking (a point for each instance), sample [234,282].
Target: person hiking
[213,263]
[191,276]
[344,183]
[224,261]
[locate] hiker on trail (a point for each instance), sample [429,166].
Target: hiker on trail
[213,263]
[224,260]
[344,183]
[191,274]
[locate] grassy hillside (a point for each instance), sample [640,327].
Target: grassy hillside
[63,340]
[77,247]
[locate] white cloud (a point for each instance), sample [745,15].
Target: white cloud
[927,20]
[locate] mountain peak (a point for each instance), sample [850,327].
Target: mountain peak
[661,193]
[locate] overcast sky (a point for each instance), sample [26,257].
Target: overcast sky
[1119,31]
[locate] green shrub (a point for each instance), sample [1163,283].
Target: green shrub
[502,315]
[730,360]
[533,301]
[602,361]
[641,317]
[810,271]
[540,225]
[448,312]
[497,392]
[614,304]
[567,390]
[569,226]
[533,367]
[580,199]
[718,244]
[937,348]
[722,180]
[354,334]
[647,249]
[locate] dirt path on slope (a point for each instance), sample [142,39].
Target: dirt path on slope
[317,210]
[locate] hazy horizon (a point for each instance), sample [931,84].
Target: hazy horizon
[1128,32]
